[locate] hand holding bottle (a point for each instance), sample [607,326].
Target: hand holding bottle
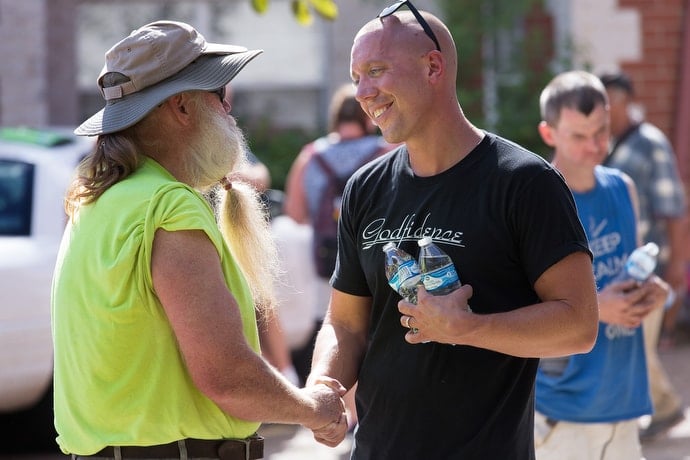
[639,267]
[640,264]
[442,319]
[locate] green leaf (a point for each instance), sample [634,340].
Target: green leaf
[300,9]
[260,6]
[326,8]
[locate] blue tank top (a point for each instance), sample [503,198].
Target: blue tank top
[609,383]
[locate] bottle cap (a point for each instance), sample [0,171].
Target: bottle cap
[424,241]
[388,246]
[652,249]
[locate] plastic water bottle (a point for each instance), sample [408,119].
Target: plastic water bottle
[438,272]
[640,264]
[402,272]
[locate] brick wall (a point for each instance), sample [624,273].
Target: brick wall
[656,74]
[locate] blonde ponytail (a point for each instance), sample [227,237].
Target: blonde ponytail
[243,220]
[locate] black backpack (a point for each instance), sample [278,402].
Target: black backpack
[325,223]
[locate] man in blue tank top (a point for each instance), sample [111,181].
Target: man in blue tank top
[588,404]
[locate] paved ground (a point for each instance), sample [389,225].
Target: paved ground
[292,443]
[676,444]
[286,442]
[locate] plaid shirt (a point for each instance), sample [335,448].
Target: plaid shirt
[645,154]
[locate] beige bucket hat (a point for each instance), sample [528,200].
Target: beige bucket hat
[155,62]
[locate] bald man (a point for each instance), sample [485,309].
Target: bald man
[436,379]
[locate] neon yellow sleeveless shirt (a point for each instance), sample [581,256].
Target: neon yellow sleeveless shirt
[119,377]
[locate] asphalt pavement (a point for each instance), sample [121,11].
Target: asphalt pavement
[289,442]
[285,442]
[675,444]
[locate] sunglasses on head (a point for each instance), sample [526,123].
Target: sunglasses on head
[425,25]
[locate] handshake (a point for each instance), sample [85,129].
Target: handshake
[330,420]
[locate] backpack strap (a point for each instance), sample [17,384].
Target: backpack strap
[330,172]
[327,168]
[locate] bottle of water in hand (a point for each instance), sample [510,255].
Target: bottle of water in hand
[402,272]
[640,264]
[438,272]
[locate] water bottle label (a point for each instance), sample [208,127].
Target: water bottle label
[441,278]
[639,270]
[406,271]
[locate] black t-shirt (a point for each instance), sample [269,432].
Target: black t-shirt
[504,215]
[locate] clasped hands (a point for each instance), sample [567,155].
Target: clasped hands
[332,427]
[626,303]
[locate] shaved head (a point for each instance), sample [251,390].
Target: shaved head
[402,31]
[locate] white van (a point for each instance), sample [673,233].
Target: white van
[36,165]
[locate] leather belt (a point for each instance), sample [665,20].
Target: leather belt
[225,449]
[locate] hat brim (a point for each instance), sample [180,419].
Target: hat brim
[207,73]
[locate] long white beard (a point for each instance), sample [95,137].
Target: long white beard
[219,148]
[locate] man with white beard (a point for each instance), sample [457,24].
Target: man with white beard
[154,306]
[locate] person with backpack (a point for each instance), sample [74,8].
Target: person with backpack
[643,152]
[334,160]
[326,164]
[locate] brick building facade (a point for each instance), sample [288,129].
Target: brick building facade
[658,75]
[648,39]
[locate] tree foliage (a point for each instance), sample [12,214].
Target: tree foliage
[502,65]
[302,9]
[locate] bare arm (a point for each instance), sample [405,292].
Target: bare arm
[342,341]
[205,318]
[565,322]
[295,204]
[274,347]
[675,274]
[340,347]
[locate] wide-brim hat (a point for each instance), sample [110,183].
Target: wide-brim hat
[156,62]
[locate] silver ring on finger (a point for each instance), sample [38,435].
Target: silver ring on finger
[406,321]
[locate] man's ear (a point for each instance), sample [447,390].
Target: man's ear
[179,108]
[546,133]
[436,63]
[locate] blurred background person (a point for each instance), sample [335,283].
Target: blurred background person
[642,151]
[328,161]
[274,344]
[587,404]
[295,200]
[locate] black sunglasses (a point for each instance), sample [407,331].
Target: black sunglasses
[425,25]
[220,92]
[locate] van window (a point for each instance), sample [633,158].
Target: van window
[16,197]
